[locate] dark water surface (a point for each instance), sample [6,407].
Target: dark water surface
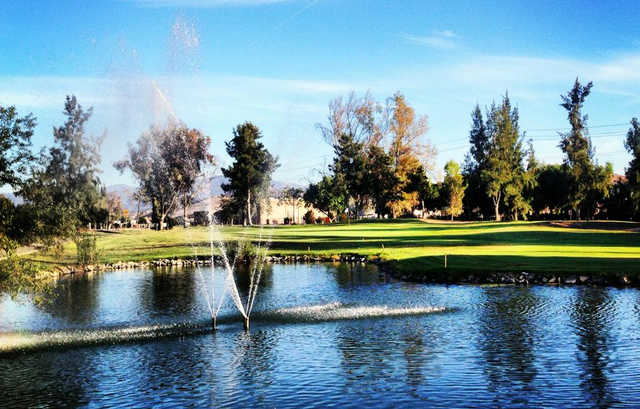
[492,347]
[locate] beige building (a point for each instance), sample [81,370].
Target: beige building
[276,211]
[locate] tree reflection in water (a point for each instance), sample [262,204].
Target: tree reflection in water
[592,312]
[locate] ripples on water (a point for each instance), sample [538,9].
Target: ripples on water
[321,336]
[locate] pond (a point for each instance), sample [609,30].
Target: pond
[323,335]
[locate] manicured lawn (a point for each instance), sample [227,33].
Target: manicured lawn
[410,244]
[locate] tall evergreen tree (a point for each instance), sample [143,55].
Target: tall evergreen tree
[249,177]
[504,172]
[475,162]
[577,147]
[15,141]
[350,167]
[632,144]
[381,180]
[64,187]
[419,183]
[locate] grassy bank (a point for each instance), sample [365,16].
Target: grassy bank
[411,245]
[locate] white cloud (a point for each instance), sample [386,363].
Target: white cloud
[445,39]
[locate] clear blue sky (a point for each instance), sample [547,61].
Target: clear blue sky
[278,63]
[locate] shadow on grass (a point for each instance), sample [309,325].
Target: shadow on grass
[458,265]
[506,238]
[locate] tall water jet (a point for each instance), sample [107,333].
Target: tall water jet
[244,251]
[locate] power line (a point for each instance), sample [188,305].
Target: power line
[566,129]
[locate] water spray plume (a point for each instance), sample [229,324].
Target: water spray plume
[11,343]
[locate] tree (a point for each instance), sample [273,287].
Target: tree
[619,205]
[380,179]
[577,147]
[475,197]
[166,161]
[350,167]
[550,194]
[408,149]
[328,195]
[455,188]
[632,144]
[504,172]
[114,208]
[15,141]
[361,117]
[187,151]
[419,183]
[64,188]
[249,176]
[291,196]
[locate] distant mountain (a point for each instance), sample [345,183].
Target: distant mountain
[215,184]
[125,192]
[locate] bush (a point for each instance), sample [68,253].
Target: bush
[87,249]
[200,218]
[309,217]
[286,220]
[343,218]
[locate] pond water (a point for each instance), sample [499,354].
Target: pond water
[490,347]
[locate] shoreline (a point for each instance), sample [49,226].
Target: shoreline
[390,267]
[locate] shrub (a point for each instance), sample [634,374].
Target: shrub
[286,220]
[87,249]
[343,218]
[309,217]
[200,218]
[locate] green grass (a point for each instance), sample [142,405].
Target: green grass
[410,245]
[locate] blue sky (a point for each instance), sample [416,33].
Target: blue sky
[279,63]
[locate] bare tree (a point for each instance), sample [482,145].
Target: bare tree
[362,117]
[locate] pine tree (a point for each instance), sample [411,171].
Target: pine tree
[249,177]
[504,172]
[475,162]
[632,144]
[577,147]
[64,186]
[350,167]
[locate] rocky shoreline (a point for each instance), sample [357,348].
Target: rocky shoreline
[440,277]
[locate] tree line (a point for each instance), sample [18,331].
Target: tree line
[64,198]
[383,166]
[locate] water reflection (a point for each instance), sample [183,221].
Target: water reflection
[45,380]
[74,299]
[172,290]
[507,340]
[349,275]
[499,347]
[592,312]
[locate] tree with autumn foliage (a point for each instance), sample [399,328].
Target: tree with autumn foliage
[408,149]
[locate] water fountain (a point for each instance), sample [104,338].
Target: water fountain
[256,262]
